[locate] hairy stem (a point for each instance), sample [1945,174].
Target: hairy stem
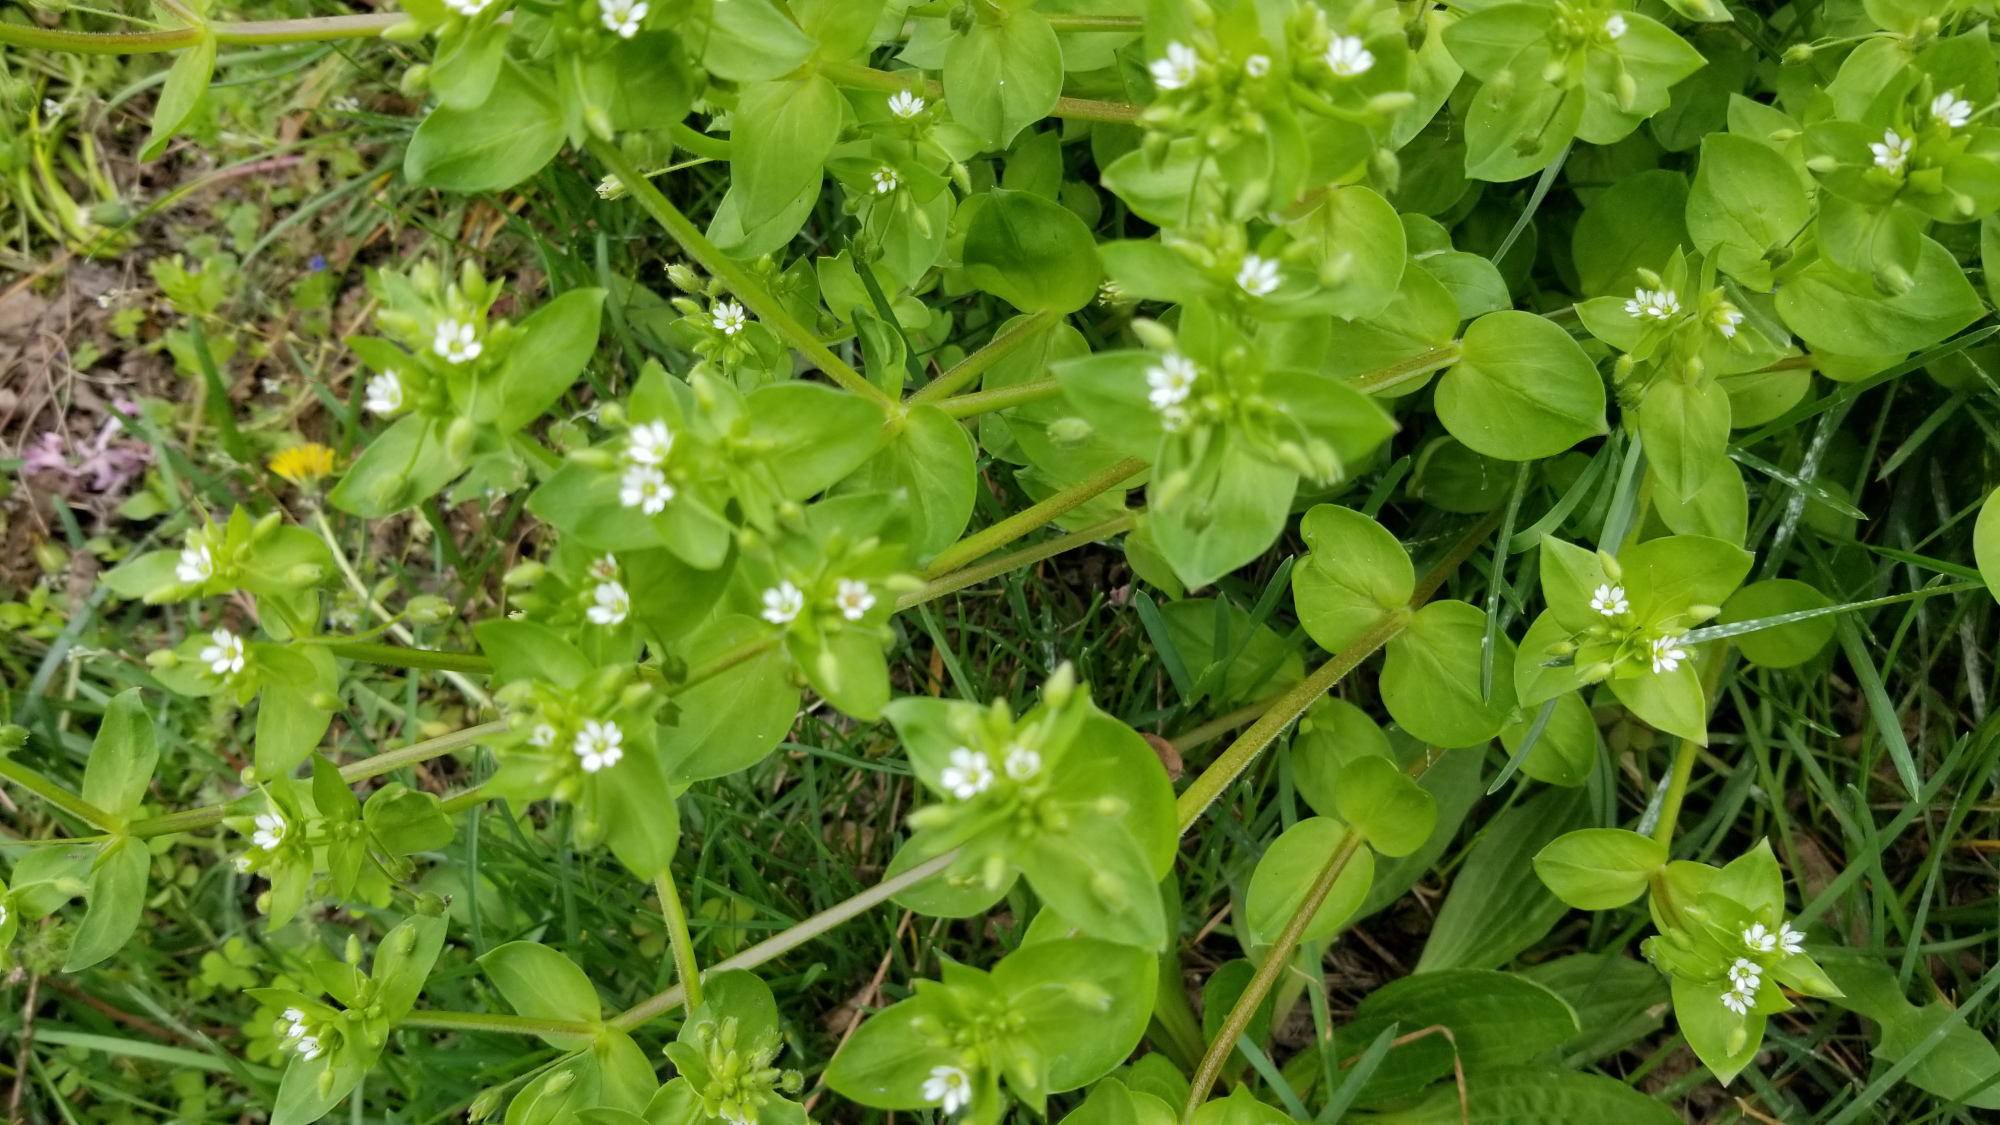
[965,371]
[686,969]
[1020,523]
[1402,374]
[1001,398]
[1027,556]
[396,656]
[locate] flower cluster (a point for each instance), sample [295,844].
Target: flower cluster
[644,485]
[297,1034]
[783,603]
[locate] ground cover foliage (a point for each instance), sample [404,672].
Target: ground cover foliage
[1225,562]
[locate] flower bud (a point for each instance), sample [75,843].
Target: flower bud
[249,775]
[304,574]
[1893,281]
[12,737]
[265,525]
[485,1104]
[407,31]
[684,278]
[1153,334]
[1823,164]
[594,458]
[1798,54]
[559,1082]
[325,701]
[612,415]
[429,609]
[163,658]
[525,574]
[458,438]
[599,122]
[353,956]
[1070,432]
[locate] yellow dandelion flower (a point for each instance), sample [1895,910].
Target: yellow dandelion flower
[303,464]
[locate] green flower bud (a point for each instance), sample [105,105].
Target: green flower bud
[1798,54]
[304,574]
[429,609]
[458,438]
[432,905]
[163,658]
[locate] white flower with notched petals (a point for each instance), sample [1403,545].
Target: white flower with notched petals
[1610,601]
[604,568]
[1736,1002]
[612,604]
[598,745]
[457,341]
[270,831]
[1668,653]
[949,1088]
[543,736]
[648,443]
[1258,276]
[1653,304]
[309,1047]
[384,393]
[1021,763]
[1792,941]
[196,565]
[1727,318]
[1257,66]
[1892,152]
[885,180]
[1614,26]
[728,317]
[1951,109]
[783,603]
[622,17]
[968,775]
[292,1024]
[1759,939]
[1348,57]
[646,489]
[905,105]
[854,598]
[1746,975]
[1171,381]
[224,653]
[1176,70]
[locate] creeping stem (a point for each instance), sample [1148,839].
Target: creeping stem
[1689,749]
[686,969]
[399,656]
[966,370]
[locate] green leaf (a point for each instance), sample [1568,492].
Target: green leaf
[556,341]
[1353,573]
[289,720]
[811,435]
[1599,868]
[1635,224]
[1746,201]
[1286,874]
[999,78]
[1842,313]
[1546,1095]
[1085,1001]
[1522,389]
[1031,252]
[782,133]
[1230,509]
[1430,679]
[405,464]
[403,961]
[752,41]
[1333,733]
[1781,646]
[404,821]
[1496,1020]
[122,756]
[541,983]
[1394,813]
[730,721]
[508,138]
[1986,542]
[187,81]
[930,460]
[1685,426]
[117,894]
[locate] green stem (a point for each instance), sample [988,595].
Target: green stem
[967,370]
[1096,23]
[322,30]
[733,276]
[1002,398]
[1275,960]
[749,650]
[397,656]
[686,969]
[1020,523]
[1398,375]
[1687,752]
[56,795]
[1027,556]
[496,1021]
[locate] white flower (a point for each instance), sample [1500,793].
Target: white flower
[1172,381]
[1727,317]
[1022,763]
[1170,73]
[646,489]
[1653,304]
[1174,419]
[385,394]
[1668,653]
[885,180]
[270,831]
[782,603]
[612,604]
[598,745]
[948,1086]
[1759,939]
[456,341]
[1614,25]
[543,736]
[52,109]
[853,598]
[292,1024]
[1258,275]
[1610,601]
[728,317]
[622,16]
[196,565]
[604,568]
[467,8]
[1892,152]
[904,104]
[648,443]
[224,656]
[1257,66]
[1790,940]
[968,775]
[1348,57]
[309,1047]
[242,867]
[1735,1003]
[1951,109]
[1746,975]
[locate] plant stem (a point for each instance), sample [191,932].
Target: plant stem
[686,969]
[785,942]
[733,275]
[1687,752]
[1020,523]
[1001,398]
[397,656]
[319,30]
[749,650]
[54,794]
[1027,556]
[1275,960]
[496,1021]
[1397,375]
[973,366]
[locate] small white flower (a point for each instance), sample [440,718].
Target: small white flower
[292,1023]
[467,8]
[1951,109]
[885,180]
[597,744]
[612,605]
[456,341]
[854,599]
[385,393]
[783,603]
[646,489]
[904,104]
[1746,975]
[1892,152]
[1258,276]
[1348,57]
[948,1086]
[1653,304]
[604,568]
[1610,601]
[968,775]
[1759,939]
[1792,941]
[648,443]
[1171,73]
[196,565]
[1668,653]
[543,736]
[1614,25]
[1727,318]
[622,17]
[1172,381]
[1022,763]
[270,831]
[728,317]
[242,866]
[1174,419]
[1735,1003]
[309,1047]
[224,656]
[52,110]
[1257,66]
